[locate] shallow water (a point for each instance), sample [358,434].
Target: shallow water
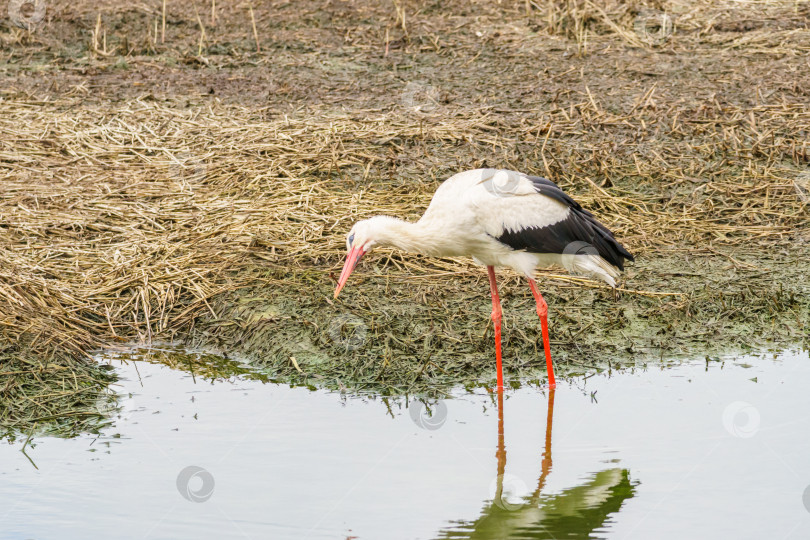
[717,450]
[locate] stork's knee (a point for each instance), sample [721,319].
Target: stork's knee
[542,308]
[496,317]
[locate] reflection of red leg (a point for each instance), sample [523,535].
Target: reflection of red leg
[549,420]
[542,311]
[546,463]
[500,454]
[496,318]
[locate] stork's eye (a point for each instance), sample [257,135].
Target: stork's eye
[351,239]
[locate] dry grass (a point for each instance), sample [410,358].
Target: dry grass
[120,229]
[162,217]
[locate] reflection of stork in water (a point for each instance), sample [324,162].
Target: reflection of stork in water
[501,453]
[575,512]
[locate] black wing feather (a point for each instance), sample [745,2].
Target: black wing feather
[579,229]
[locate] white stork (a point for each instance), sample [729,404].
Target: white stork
[499,218]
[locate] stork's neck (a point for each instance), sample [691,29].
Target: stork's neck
[417,237]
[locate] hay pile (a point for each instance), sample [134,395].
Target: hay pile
[186,217]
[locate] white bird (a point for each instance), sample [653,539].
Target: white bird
[499,218]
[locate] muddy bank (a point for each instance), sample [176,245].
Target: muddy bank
[398,335]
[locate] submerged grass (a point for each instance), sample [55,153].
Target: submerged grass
[214,211]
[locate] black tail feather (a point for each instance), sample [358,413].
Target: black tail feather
[579,226]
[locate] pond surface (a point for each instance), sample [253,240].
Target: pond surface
[698,450]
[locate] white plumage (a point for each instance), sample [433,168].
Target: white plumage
[471,210]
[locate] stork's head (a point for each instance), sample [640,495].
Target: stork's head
[361,239]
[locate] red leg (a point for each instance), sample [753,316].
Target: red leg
[542,311]
[496,318]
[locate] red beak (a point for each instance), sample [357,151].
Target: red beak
[351,261]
